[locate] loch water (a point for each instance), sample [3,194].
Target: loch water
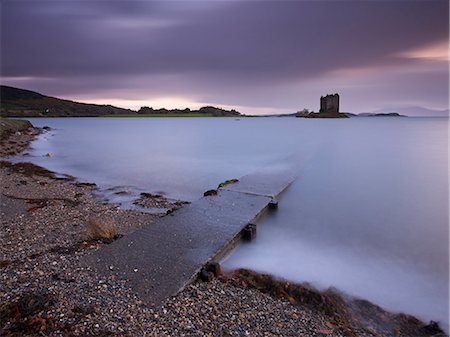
[368,212]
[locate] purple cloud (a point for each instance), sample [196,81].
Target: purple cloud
[226,51]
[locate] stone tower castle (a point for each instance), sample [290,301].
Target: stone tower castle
[329,103]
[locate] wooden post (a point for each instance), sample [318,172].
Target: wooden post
[249,232]
[273,204]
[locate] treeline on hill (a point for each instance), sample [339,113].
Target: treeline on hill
[206,110]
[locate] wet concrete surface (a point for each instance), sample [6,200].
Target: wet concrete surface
[270,184]
[160,259]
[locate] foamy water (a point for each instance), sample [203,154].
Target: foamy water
[368,213]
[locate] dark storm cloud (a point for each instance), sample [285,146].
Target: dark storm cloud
[238,43]
[247,39]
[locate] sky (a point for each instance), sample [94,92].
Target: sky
[259,57]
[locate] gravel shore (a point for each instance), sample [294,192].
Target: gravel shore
[46,290]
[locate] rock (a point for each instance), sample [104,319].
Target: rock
[213,267]
[210,193]
[150,195]
[122,193]
[206,276]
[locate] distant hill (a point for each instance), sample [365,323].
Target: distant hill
[206,110]
[15,102]
[415,111]
[373,114]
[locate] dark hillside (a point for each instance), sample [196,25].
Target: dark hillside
[15,102]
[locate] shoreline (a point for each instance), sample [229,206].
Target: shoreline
[46,290]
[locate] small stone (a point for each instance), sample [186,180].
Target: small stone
[214,268]
[210,193]
[206,276]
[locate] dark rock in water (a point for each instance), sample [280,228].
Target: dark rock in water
[81,184]
[150,195]
[210,193]
[181,203]
[122,193]
[249,232]
[213,267]
[47,128]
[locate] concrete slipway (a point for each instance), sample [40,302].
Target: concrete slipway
[163,257]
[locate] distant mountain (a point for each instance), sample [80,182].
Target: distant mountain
[373,114]
[17,102]
[415,111]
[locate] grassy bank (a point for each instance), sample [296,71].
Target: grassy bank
[8,126]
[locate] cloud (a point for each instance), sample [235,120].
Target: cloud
[215,51]
[434,52]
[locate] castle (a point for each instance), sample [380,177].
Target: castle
[329,103]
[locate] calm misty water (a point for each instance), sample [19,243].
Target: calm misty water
[368,213]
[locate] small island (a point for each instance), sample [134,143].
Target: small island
[329,108]
[380,114]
